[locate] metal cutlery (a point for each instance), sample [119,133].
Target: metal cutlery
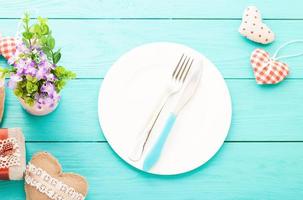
[177,80]
[154,154]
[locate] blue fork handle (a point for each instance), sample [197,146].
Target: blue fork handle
[155,153]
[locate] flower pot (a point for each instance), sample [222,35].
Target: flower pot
[38,110]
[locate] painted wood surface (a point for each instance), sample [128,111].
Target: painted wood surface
[238,171]
[106,40]
[261,157]
[150,8]
[260,113]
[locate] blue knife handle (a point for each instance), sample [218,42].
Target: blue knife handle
[154,154]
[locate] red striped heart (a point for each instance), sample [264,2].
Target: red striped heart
[266,69]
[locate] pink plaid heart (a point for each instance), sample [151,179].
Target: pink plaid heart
[7,46]
[266,69]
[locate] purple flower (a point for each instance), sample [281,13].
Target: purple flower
[45,64]
[31,69]
[41,73]
[21,49]
[22,65]
[44,100]
[51,77]
[42,56]
[48,88]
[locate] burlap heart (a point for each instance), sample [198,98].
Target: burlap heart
[266,69]
[76,185]
[253,28]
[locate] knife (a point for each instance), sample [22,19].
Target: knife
[154,154]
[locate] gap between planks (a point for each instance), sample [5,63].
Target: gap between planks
[155,18]
[229,141]
[227,78]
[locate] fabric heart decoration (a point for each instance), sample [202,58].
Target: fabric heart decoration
[12,154]
[253,28]
[267,70]
[7,49]
[45,180]
[7,46]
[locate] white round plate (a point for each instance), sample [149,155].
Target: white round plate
[132,89]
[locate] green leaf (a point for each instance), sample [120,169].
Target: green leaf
[27,35]
[18,92]
[51,42]
[36,58]
[37,29]
[22,84]
[45,49]
[71,75]
[45,29]
[5,72]
[62,75]
[29,78]
[60,85]
[34,80]
[31,87]
[42,20]
[48,54]
[29,101]
[56,57]
[43,40]
[26,18]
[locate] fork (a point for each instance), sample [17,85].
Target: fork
[175,84]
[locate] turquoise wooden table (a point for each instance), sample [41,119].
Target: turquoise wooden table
[262,155]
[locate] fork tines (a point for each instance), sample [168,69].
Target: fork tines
[181,70]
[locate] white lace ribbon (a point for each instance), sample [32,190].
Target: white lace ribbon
[9,153]
[53,188]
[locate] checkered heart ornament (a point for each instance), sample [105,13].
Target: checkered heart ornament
[269,70]
[7,46]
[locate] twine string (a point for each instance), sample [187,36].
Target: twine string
[276,57]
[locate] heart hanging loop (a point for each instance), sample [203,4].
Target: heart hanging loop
[276,57]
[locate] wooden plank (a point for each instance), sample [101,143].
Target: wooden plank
[76,118]
[149,8]
[260,113]
[238,171]
[266,112]
[90,47]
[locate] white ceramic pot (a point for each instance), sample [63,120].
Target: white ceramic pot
[34,110]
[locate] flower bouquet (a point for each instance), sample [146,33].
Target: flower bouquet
[35,76]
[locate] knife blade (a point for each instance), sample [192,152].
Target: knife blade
[189,90]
